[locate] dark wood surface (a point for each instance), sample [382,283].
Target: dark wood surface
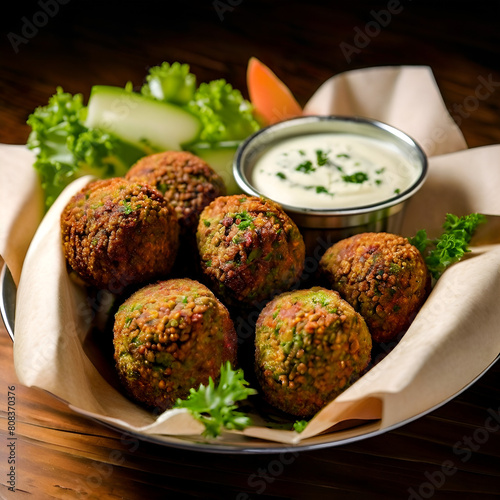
[452,452]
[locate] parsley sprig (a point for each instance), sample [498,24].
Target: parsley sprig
[215,406]
[451,246]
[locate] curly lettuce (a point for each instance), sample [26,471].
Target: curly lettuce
[67,149]
[224,113]
[170,83]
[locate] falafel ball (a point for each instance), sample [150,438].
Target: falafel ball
[117,233]
[249,248]
[382,276]
[187,182]
[310,346]
[169,337]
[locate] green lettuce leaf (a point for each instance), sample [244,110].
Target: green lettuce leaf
[171,83]
[66,149]
[224,113]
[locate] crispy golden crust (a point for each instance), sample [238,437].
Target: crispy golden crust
[382,276]
[169,337]
[249,247]
[116,233]
[187,182]
[310,345]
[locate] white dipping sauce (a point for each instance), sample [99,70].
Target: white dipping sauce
[332,170]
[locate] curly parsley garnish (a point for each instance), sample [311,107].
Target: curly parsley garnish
[215,406]
[451,246]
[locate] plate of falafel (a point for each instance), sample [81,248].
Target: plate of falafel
[148,289]
[161,303]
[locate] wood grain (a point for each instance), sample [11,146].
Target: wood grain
[62,455]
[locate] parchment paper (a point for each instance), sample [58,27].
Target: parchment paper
[452,340]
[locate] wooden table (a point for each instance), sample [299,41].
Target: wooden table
[451,453]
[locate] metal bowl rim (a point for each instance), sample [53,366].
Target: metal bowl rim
[337,212]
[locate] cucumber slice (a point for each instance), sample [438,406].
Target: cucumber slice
[220,157]
[150,124]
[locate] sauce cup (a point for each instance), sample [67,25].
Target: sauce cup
[323,225]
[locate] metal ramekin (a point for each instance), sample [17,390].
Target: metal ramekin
[322,227]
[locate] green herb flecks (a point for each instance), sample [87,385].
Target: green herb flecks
[281,175]
[355,178]
[451,246]
[320,189]
[215,405]
[243,220]
[322,157]
[254,254]
[306,167]
[127,208]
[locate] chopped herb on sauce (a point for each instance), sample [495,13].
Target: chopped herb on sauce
[319,189]
[306,167]
[281,175]
[322,157]
[356,178]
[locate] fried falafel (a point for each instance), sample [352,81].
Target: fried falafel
[187,182]
[310,346]
[117,233]
[169,337]
[249,248]
[382,276]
